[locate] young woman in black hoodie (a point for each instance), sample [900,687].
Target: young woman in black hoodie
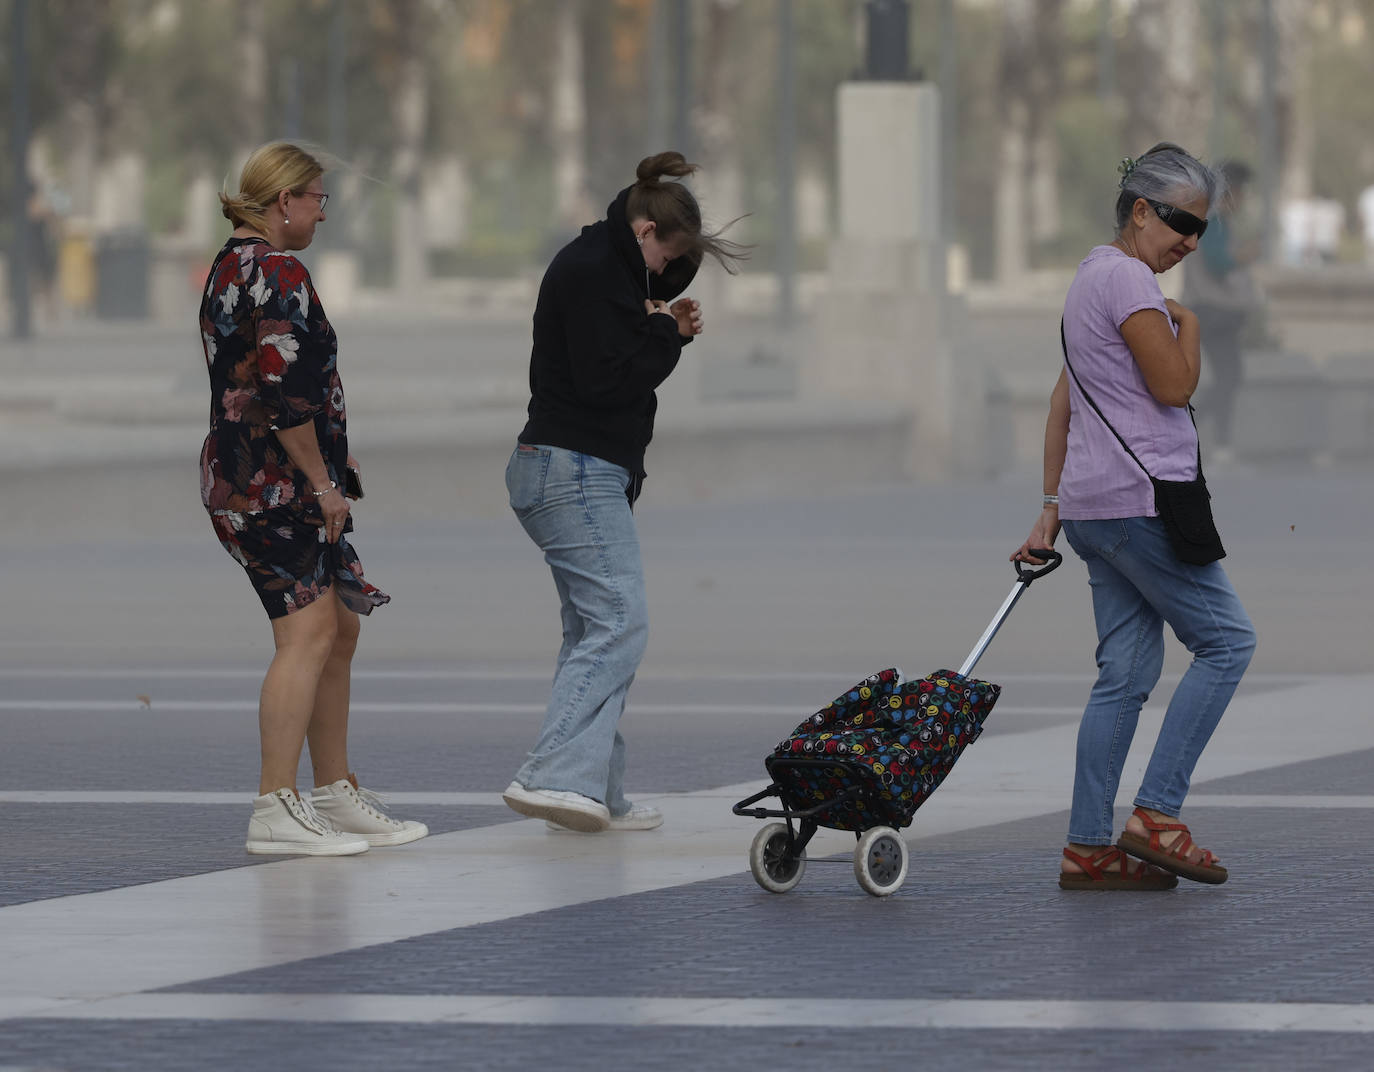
[605,336]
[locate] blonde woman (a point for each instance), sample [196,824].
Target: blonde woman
[273,474]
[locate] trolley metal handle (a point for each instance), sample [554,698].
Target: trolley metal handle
[1024,576]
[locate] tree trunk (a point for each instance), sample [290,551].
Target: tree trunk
[1165,95]
[250,84]
[1292,103]
[722,180]
[1013,240]
[568,119]
[1017,62]
[1045,89]
[81,67]
[1027,192]
[409,105]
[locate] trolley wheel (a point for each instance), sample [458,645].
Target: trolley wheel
[880,861]
[774,869]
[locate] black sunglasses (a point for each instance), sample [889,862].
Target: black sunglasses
[1185,223]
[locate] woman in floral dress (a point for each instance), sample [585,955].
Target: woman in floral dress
[273,472]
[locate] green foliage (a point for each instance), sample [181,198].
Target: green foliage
[1087,134]
[1343,146]
[165,77]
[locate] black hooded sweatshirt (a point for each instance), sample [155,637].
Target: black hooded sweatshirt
[597,354]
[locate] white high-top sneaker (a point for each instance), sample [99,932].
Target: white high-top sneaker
[283,824]
[359,811]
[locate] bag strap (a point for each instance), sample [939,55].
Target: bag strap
[1064,344]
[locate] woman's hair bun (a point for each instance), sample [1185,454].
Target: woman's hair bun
[669,163]
[232,207]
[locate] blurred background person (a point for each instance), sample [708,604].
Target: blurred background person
[1132,360]
[1221,289]
[605,337]
[44,238]
[1365,205]
[273,473]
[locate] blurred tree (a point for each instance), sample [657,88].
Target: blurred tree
[484,94]
[1027,173]
[401,31]
[616,37]
[1161,78]
[250,52]
[1339,102]
[85,44]
[568,119]
[1290,90]
[729,94]
[178,65]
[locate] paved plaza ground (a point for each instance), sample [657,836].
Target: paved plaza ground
[135,933]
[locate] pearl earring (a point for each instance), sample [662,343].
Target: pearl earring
[285,218]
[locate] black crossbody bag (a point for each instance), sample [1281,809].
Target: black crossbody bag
[1185,506]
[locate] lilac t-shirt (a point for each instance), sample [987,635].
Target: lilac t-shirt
[1099,478]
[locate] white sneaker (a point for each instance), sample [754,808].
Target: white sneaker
[359,811]
[572,810]
[284,824]
[639,817]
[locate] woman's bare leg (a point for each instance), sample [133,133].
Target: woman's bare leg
[304,640]
[328,729]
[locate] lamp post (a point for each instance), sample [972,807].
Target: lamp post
[682,89]
[1269,137]
[886,50]
[21,323]
[787,163]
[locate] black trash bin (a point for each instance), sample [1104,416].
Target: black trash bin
[123,262]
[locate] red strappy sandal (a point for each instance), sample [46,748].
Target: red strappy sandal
[1178,857]
[1095,875]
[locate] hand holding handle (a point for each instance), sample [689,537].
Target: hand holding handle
[1052,559]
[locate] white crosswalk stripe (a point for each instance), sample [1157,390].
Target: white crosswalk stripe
[855,1014]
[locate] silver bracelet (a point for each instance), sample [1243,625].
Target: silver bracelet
[322,494]
[1049,500]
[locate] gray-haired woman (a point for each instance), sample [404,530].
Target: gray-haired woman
[1119,415]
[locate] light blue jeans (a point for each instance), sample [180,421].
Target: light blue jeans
[1137,586]
[574,508]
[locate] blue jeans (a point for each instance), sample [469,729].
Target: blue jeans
[1138,585]
[573,506]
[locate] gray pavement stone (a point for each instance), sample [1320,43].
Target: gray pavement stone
[906,575]
[1346,774]
[439,751]
[979,916]
[850,582]
[179,1045]
[61,850]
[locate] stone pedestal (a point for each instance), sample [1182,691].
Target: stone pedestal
[889,164]
[882,327]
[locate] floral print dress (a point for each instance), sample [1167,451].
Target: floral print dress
[271,355]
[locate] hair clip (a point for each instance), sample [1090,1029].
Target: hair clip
[1125,168]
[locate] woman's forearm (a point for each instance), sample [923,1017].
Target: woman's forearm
[1056,435]
[1190,342]
[303,448]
